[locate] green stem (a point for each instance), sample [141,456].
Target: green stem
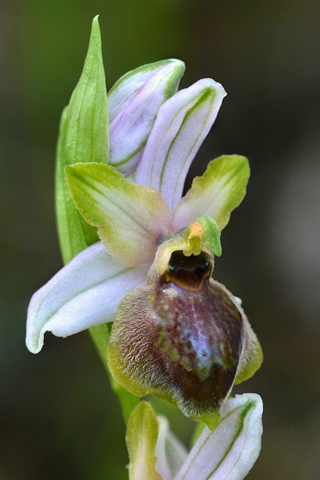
[100,337]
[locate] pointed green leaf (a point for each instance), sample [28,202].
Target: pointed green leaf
[83,136]
[87,134]
[216,193]
[130,218]
[141,438]
[71,236]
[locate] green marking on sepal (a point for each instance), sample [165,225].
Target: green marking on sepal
[231,449]
[171,87]
[134,103]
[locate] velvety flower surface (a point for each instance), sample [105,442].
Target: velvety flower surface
[177,332]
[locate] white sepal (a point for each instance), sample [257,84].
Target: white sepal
[86,292]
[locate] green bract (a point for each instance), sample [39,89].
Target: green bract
[85,118]
[105,129]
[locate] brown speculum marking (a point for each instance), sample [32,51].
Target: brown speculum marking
[188,272]
[200,331]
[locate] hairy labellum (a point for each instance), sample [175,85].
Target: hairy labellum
[182,337]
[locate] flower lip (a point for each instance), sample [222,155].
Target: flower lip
[189,272]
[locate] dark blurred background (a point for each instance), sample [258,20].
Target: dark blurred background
[58,416]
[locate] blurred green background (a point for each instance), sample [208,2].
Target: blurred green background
[58,416]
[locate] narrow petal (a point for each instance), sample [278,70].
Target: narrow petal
[182,124]
[170,452]
[230,451]
[134,102]
[84,293]
[130,218]
[141,439]
[216,193]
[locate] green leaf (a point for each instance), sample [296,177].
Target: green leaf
[141,438]
[216,193]
[87,134]
[71,236]
[83,137]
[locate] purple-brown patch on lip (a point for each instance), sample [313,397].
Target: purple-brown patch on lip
[199,343]
[179,337]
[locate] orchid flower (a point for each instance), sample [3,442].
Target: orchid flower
[227,453]
[177,333]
